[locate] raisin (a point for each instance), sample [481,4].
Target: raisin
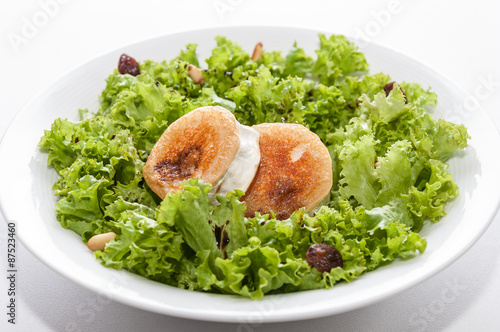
[128,65]
[218,235]
[388,88]
[324,257]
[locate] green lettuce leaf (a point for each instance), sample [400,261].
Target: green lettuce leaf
[384,108]
[297,62]
[359,178]
[337,58]
[354,87]
[189,55]
[58,142]
[219,229]
[394,173]
[439,189]
[265,98]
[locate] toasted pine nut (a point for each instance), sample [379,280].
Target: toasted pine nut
[196,75]
[257,52]
[378,164]
[99,241]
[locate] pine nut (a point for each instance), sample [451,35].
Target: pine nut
[99,241]
[196,75]
[378,164]
[257,52]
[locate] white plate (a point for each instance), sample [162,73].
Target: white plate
[27,199]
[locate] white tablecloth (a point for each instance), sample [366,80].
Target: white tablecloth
[41,40]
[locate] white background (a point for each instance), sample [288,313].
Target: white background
[458,38]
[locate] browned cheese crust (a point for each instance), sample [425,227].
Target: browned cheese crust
[201,144]
[295,171]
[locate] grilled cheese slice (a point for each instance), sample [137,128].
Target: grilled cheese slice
[207,143]
[295,171]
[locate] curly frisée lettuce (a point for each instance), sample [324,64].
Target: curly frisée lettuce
[389,170]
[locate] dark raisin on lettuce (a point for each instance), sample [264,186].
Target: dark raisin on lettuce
[128,65]
[388,88]
[324,257]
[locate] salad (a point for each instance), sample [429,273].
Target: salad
[388,157]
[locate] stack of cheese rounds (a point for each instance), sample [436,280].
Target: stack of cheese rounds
[280,167]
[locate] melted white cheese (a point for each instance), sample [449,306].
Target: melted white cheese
[244,166]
